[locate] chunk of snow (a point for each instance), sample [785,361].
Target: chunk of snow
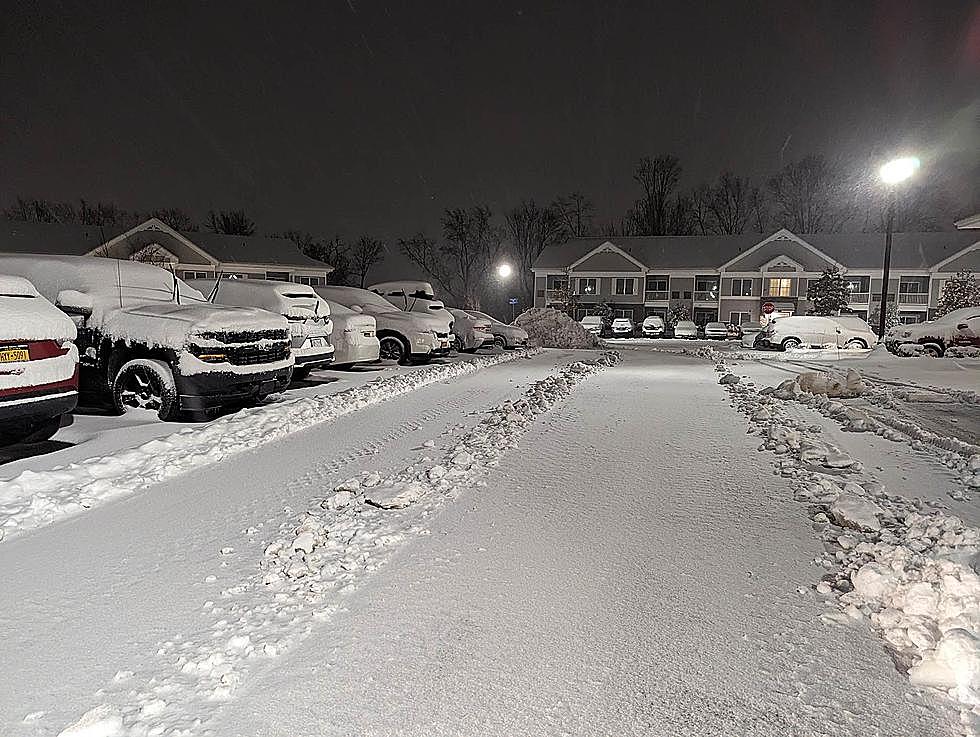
[860,513]
[102,721]
[553,329]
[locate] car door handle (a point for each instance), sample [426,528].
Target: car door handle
[961,326]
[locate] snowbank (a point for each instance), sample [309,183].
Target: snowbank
[553,329]
[911,574]
[33,499]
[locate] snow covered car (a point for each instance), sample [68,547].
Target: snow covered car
[470,332]
[413,296]
[592,323]
[652,327]
[308,316]
[38,363]
[147,341]
[749,331]
[716,331]
[622,327]
[686,329]
[403,336]
[796,331]
[504,335]
[354,337]
[957,328]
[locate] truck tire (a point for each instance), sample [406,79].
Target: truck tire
[145,384]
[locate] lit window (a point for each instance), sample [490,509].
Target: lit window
[780,288]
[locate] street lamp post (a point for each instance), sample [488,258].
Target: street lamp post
[892,173]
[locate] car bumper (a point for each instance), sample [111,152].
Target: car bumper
[311,358]
[209,391]
[29,410]
[358,352]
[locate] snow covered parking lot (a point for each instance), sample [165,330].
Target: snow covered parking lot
[472,556]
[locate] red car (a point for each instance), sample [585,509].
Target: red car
[38,364]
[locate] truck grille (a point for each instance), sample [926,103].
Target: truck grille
[231,337]
[249,355]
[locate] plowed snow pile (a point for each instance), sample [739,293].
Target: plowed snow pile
[553,329]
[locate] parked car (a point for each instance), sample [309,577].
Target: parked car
[797,331]
[592,323]
[652,327]
[354,336]
[413,296]
[734,331]
[38,363]
[957,328]
[403,336]
[147,341]
[686,329]
[749,331]
[504,335]
[716,331]
[622,327]
[470,332]
[308,316]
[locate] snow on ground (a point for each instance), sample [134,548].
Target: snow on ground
[32,499]
[891,557]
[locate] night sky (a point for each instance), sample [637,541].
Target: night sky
[350,117]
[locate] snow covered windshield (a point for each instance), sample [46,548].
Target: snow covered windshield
[350,296]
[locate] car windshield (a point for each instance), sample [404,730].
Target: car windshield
[350,297]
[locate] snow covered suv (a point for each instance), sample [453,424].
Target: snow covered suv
[38,363]
[148,341]
[622,327]
[957,328]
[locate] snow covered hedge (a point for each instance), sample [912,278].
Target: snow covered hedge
[553,329]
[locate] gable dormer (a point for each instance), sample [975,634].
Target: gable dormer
[607,257]
[782,251]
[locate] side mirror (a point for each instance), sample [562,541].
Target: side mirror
[74,303]
[962,326]
[357,308]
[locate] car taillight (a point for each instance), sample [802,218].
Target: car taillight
[47,349]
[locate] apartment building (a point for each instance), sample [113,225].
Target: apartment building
[730,278]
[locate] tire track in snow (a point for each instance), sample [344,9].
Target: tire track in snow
[317,556]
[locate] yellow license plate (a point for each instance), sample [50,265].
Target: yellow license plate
[8,355]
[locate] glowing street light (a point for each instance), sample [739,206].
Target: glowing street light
[893,173]
[505,270]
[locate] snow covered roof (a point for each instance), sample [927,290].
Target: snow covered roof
[72,239]
[692,252]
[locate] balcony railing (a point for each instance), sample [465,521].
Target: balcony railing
[859,298]
[656,296]
[778,295]
[706,296]
[556,295]
[910,298]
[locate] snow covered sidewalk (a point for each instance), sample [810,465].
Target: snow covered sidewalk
[635,569]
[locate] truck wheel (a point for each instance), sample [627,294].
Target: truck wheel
[499,342]
[148,384]
[933,350]
[791,344]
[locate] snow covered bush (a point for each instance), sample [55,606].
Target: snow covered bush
[553,329]
[829,293]
[963,290]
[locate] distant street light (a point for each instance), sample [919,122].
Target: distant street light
[894,172]
[505,270]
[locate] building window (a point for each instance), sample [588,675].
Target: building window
[657,283]
[626,287]
[687,295]
[234,275]
[675,295]
[557,282]
[738,318]
[624,313]
[706,284]
[588,286]
[911,318]
[311,281]
[277,275]
[197,275]
[779,288]
[741,288]
[859,284]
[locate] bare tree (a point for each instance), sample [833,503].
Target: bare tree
[333,252]
[661,210]
[461,264]
[175,218]
[230,222]
[40,211]
[364,254]
[574,212]
[531,229]
[729,204]
[760,215]
[811,196]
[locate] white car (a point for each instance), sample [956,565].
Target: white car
[622,327]
[354,337]
[470,332]
[413,296]
[38,363]
[749,331]
[686,329]
[804,331]
[592,323]
[716,331]
[403,336]
[652,327]
[310,326]
[957,328]
[505,336]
